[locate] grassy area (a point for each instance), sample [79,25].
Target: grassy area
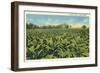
[57,43]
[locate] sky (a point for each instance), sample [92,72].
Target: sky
[40,19]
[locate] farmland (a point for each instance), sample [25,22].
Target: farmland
[57,43]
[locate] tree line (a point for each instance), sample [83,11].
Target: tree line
[34,26]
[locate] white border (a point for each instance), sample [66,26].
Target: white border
[55,62]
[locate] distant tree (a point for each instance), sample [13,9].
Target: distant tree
[58,26]
[84,27]
[31,26]
[67,26]
[50,26]
[44,27]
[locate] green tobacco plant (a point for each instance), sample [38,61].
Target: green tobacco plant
[57,43]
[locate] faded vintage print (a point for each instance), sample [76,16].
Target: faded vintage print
[52,36]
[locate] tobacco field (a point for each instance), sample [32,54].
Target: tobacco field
[57,43]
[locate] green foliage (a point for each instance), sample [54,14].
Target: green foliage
[84,27]
[57,43]
[31,26]
[34,26]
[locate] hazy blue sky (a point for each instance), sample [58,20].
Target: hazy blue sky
[40,19]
